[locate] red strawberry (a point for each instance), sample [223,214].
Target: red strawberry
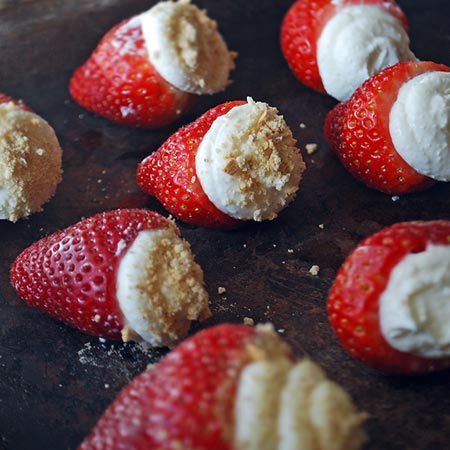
[302,27]
[149,69]
[76,275]
[377,300]
[171,175]
[358,131]
[119,82]
[191,399]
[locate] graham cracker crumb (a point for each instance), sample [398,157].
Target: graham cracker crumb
[311,148]
[314,271]
[249,321]
[221,290]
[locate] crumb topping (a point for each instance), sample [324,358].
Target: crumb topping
[282,404]
[160,288]
[30,162]
[186,47]
[248,163]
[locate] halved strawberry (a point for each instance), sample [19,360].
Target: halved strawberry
[236,162]
[302,28]
[389,301]
[359,131]
[123,274]
[228,387]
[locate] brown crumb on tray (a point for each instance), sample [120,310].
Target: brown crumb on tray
[310,148]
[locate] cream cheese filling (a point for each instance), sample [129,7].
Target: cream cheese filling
[415,306]
[419,124]
[356,43]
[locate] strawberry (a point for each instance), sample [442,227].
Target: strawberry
[192,398]
[119,82]
[150,69]
[302,28]
[359,131]
[170,175]
[88,277]
[388,301]
[253,172]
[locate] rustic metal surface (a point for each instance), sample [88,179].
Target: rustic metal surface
[54,381]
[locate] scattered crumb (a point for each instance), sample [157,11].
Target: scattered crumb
[106,386]
[249,321]
[395,198]
[221,290]
[321,226]
[281,330]
[302,125]
[310,148]
[274,245]
[314,270]
[97,318]
[290,250]
[244,245]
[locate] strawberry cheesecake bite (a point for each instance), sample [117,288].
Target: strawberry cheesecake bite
[230,387]
[237,162]
[122,275]
[333,46]
[30,161]
[393,133]
[390,302]
[148,70]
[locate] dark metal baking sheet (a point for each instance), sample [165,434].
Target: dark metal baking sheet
[55,381]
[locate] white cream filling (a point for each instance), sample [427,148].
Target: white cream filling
[186,48]
[247,162]
[258,404]
[30,162]
[160,288]
[419,124]
[415,306]
[285,406]
[357,42]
